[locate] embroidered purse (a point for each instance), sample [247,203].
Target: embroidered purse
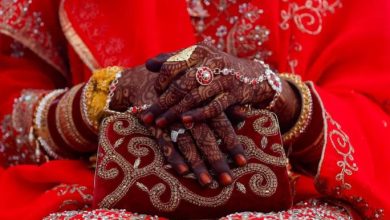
[131,173]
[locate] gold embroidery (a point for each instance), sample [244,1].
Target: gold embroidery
[18,21]
[263,181]
[260,124]
[340,142]
[252,151]
[79,46]
[307,209]
[241,187]
[308,16]
[133,127]
[65,190]
[100,214]
[240,34]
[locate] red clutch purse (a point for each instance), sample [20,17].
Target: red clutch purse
[132,174]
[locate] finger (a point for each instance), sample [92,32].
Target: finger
[190,101]
[213,109]
[188,149]
[207,144]
[236,114]
[177,64]
[154,64]
[174,94]
[224,129]
[171,154]
[169,98]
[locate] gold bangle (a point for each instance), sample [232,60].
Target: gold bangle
[65,122]
[306,108]
[95,94]
[41,127]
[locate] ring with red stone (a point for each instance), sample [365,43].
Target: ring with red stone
[204,75]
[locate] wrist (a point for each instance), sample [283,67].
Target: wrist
[306,108]
[306,150]
[287,107]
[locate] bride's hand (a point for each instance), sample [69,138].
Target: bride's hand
[201,82]
[135,88]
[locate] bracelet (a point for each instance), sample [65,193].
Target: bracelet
[65,122]
[24,108]
[273,81]
[95,95]
[306,108]
[111,93]
[41,127]
[204,76]
[27,148]
[132,109]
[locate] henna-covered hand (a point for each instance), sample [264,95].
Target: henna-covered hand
[202,102]
[135,87]
[183,97]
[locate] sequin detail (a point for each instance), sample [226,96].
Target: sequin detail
[262,182]
[26,26]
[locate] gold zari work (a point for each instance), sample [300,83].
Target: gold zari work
[262,181]
[183,55]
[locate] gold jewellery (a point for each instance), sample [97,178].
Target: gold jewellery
[65,121]
[306,108]
[204,76]
[132,109]
[95,94]
[183,55]
[41,124]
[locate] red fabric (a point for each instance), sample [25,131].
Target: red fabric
[346,56]
[156,26]
[32,192]
[131,174]
[22,73]
[347,61]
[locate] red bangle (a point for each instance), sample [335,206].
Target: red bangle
[66,124]
[41,124]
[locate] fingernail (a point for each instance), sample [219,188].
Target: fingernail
[148,118]
[186,119]
[240,160]
[182,169]
[225,179]
[161,122]
[205,178]
[188,125]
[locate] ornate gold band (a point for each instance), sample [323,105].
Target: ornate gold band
[306,108]
[65,122]
[95,94]
[41,126]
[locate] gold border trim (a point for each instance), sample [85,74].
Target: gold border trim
[325,128]
[33,47]
[75,40]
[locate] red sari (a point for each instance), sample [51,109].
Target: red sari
[341,46]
